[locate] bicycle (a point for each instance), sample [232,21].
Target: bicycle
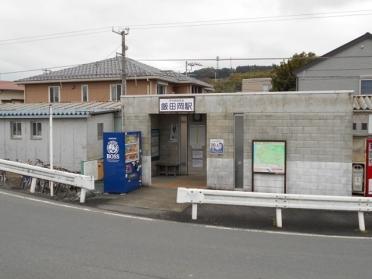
[3,177]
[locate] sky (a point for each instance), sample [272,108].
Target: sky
[265,29]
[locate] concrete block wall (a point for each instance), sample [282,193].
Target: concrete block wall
[319,150]
[317,127]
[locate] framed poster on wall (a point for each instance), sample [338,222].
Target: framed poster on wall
[269,157]
[216,146]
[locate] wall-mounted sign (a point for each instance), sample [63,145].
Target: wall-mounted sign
[269,157]
[176,105]
[216,146]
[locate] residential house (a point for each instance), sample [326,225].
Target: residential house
[101,82]
[348,67]
[11,92]
[256,85]
[77,131]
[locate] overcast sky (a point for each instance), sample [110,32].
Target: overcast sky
[258,38]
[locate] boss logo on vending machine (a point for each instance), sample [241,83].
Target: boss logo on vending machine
[112,151]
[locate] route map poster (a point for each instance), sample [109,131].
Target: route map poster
[269,157]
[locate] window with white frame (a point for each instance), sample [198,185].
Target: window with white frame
[115,92]
[36,130]
[366,86]
[161,88]
[99,131]
[84,93]
[15,130]
[54,94]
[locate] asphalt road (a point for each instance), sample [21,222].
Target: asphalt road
[39,240]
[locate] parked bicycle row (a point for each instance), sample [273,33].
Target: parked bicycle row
[61,190]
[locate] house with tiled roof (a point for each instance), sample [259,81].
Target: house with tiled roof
[347,67]
[101,82]
[11,92]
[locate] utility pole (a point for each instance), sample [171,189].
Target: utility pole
[124,48]
[215,72]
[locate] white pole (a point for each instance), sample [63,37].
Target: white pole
[33,185]
[83,193]
[51,146]
[194,211]
[362,225]
[279,223]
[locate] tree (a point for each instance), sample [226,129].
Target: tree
[284,77]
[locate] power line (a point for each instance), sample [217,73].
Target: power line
[209,59]
[97,30]
[253,19]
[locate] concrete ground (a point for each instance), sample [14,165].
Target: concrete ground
[160,202]
[173,182]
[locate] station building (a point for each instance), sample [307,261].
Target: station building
[278,142]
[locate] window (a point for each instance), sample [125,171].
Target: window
[35,130]
[354,126]
[84,93]
[115,92]
[99,131]
[161,89]
[16,129]
[54,94]
[366,86]
[364,126]
[196,89]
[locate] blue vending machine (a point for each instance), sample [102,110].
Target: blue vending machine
[122,162]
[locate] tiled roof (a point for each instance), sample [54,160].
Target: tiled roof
[60,110]
[111,69]
[10,85]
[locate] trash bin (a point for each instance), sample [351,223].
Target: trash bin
[358,178]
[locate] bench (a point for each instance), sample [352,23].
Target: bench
[167,168]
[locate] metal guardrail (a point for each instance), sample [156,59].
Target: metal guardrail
[277,201]
[81,181]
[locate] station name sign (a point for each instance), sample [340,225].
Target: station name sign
[167,105]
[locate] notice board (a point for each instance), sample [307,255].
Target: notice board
[269,157]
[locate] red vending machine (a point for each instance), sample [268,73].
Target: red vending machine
[368,185]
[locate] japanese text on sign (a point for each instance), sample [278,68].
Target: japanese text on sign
[176,105]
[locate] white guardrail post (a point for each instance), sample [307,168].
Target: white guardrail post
[84,182]
[277,201]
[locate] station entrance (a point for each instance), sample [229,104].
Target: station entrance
[178,150]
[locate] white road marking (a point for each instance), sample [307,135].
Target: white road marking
[106,212]
[82,208]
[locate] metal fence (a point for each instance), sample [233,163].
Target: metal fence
[81,181]
[277,201]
